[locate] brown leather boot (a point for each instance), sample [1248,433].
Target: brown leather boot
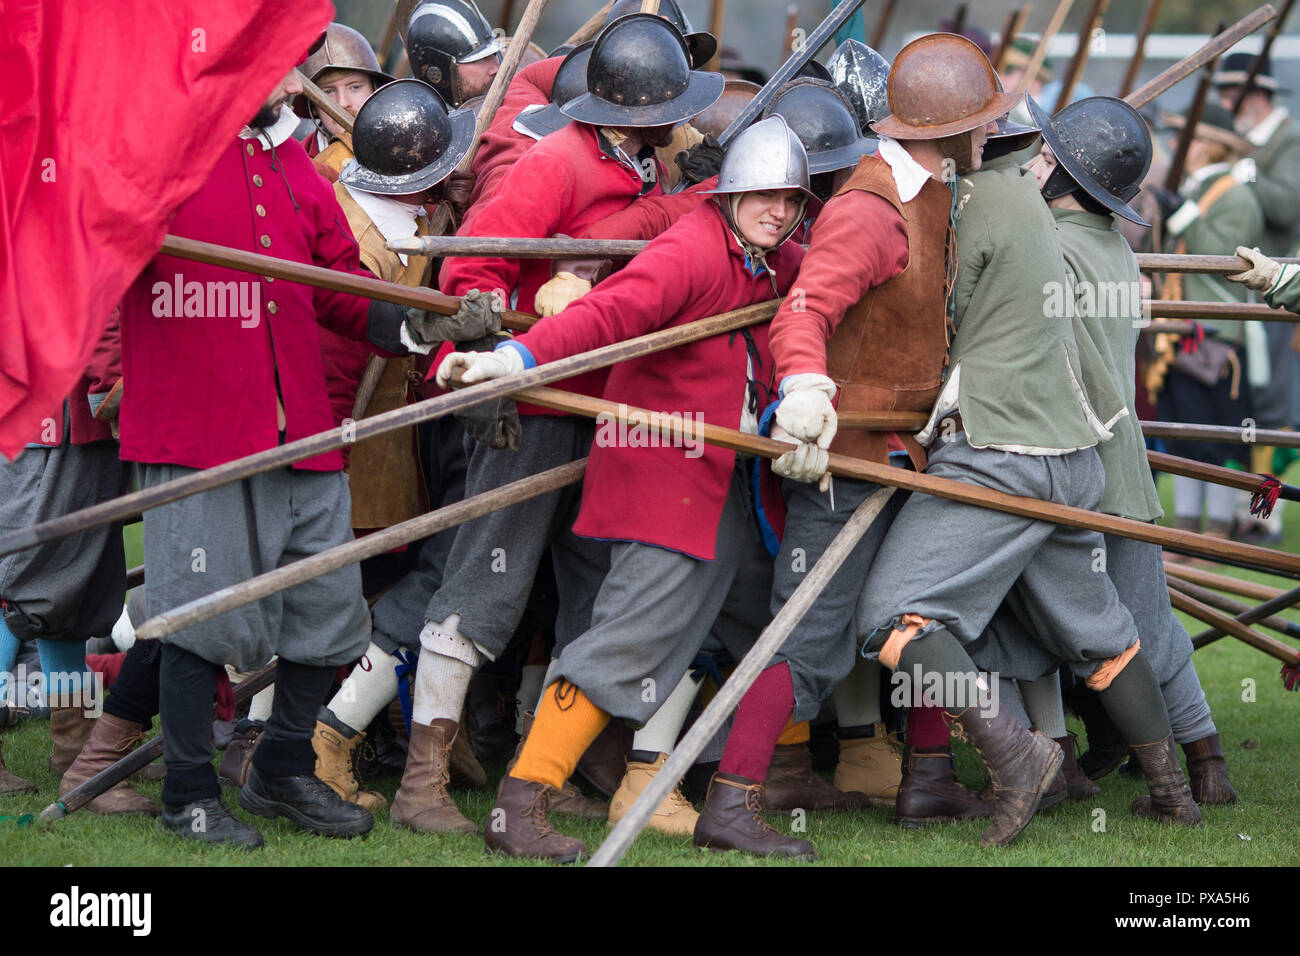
[1209,772]
[930,792]
[1021,766]
[422,801]
[11,783]
[518,825]
[603,763]
[568,799]
[732,819]
[466,772]
[237,760]
[336,761]
[792,784]
[1170,800]
[69,730]
[1078,786]
[111,739]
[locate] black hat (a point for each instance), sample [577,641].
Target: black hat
[701,44]
[1235,67]
[823,119]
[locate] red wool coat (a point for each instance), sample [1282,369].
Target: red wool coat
[102,373]
[660,496]
[201,387]
[650,216]
[564,184]
[501,146]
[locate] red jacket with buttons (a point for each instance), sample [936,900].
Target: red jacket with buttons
[660,496]
[564,184]
[501,146]
[202,374]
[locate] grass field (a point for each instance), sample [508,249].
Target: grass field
[1259,737]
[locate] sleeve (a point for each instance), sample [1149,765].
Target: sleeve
[632,302]
[648,217]
[500,144]
[1234,220]
[1276,191]
[530,203]
[336,249]
[858,242]
[105,367]
[972,253]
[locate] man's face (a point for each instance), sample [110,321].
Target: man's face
[349,89]
[476,77]
[978,138]
[285,90]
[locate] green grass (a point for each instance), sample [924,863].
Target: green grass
[1262,829]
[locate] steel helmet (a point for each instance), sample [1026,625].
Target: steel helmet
[862,75]
[442,34]
[767,155]
[570,83]
[823,120]
[702,45]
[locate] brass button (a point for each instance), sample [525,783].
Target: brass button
[261,210]
[257,179]
[272,308]
[266,242]
[249,147]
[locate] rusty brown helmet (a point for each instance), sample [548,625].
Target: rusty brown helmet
[345,49]
[942,85]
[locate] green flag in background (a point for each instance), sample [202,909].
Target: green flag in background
[854,28]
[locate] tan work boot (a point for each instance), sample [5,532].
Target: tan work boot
[674,816]
[568,799]
[870,765]
[518,825]
[111,739]
[336,755]
[422,801]
[11,783]
[69,729]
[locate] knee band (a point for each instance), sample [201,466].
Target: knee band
[446,640]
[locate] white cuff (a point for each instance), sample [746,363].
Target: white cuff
[404,336]
[1187,214]
[808,380]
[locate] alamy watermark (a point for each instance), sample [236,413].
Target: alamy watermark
[209,300]
[952,690]
[627,429]
[30,690]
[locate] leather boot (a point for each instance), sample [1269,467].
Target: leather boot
[792,784]
[306,801]
[1021,766]
[675,816]
[11,783]
[1209,772]
[210,821]
[1077,785]
[1170,800]
[568,799]
[111,739]
[237,760]
[518,825]
[422,801]
[69,730]
[732,819]
[604,763]
[929,791]
[870,765]
[335,764]
[466,772]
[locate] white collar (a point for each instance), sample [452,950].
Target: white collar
[322,141]
[1265,128]
[1195,179]
[394,219]
[275,134]
[909,175]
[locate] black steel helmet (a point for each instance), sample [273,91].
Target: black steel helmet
[824,121]
[812,70]
[702,45]
[1011,137]
[862,75]
[442,34]
[405,141]
[1105,147]
[570,83]
[640,75]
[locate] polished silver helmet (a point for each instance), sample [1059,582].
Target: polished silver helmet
[862,75]
[768,155]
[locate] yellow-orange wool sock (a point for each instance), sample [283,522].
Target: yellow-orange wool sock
[799,733]
[566,724]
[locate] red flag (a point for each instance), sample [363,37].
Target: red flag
[112,114]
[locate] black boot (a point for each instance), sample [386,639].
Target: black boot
[1209,772]
[209,821]
[307,801]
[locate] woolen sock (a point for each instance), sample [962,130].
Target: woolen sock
[441,684]
[529,694]
[566,724]
[1134,703]
[1042,699]
[64,663]
[263,702]
[8,658]
[927,727]
[799,732]
[762,715]
[368,689]
[857,698]
[660,733]
[939,652]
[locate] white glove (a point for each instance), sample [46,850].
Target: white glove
[123,633]
[1264,274]
[479,366]
[806,463]
[805,412]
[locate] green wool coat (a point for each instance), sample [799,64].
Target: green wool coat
[1277,188]
[1104,274]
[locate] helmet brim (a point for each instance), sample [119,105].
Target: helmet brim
[842,157]
[702,91]
[702,46]
[894,128]
[355,175]
[1078,172]
[541,123]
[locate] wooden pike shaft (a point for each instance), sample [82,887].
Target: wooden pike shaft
[959,18]
[1040,53]
[289,575]
[1221,603]
[882,24]
[717,21]
[1139,54]
[741,679]
[119,508]
[1258,62]
[1226,434]
[135,577]
[1188,468]
[960,491]
[324,103]
[1196,311]
[1210,265]
[1185,67]
[388,35]
[1174,177]
[591,27]
[1010,30]
[1285,600]
[1082,50]
[1223,582]
[1217,619]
